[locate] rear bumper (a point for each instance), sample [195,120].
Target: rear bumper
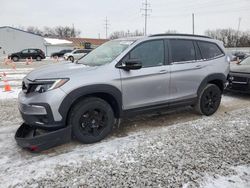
[37,140]
[239,83]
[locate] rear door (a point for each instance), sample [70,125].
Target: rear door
[78,54]
[187,69]
[150,84]
[25,54]
[33,53]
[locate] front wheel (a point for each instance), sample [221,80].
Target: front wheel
[209,100]
[92,119]
[71,58]
[15,59]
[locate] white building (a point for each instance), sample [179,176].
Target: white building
[15,40]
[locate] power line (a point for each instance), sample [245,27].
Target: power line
[106,25]
[146,9]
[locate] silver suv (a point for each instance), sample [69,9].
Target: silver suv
[120,78]
[76,54]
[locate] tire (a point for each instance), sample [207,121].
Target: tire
[209,100]
[38,58]
[15,59]
[92,119]
[71,58]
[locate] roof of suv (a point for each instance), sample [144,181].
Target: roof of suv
[178,35]
[165,35]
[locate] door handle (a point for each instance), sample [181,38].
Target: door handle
[163,71]
[198,66]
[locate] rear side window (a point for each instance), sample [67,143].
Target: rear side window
[150,53]
[182,50]
[209,50]
[32,51]
[78,52]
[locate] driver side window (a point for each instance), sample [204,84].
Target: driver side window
[25,51]
[150,53]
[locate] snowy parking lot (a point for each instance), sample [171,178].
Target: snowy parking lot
[169,149]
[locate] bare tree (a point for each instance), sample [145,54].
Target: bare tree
[230,37]
[122,34]
[170,31]
[34,30]
[57,32]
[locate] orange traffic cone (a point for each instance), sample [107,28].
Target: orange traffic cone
[31,60]
[6,83]
[14,66]
[27,61]
[7,86]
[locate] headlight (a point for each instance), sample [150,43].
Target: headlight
[42,86]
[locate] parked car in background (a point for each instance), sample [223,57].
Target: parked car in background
[76,54]
[239,77]
[28,53]
[239,55]
[60,53]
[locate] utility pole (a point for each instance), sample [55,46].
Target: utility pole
[146,9]
[106,25]
[193,22]
[237,35]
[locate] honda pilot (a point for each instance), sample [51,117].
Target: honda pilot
[118,79]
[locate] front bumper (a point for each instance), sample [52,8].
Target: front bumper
[39,115]
[38,140]
[239,83]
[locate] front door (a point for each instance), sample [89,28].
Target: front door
[150,84]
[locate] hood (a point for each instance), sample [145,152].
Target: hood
[60,70]
[240,68]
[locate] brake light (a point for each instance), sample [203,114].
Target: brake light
[33,148]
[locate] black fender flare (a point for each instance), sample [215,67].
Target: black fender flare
[219,77]
[78,93]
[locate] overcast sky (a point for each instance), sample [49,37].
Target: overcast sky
[89,15]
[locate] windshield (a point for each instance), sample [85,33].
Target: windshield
[245,61]
[105,53]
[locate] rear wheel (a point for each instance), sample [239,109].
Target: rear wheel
[92,119]
[38,58]
[15,58]
[209,100]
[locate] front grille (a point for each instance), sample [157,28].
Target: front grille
[239,79]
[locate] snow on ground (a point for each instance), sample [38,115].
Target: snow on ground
[150,152]
[240,180]
[15,76]
[17,70]
[9,94]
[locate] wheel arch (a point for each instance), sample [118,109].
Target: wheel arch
[15,55]
[110,94]
[218,79]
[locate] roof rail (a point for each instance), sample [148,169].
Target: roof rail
[178,34]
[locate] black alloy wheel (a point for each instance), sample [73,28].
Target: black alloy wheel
[209,100]
[92,119]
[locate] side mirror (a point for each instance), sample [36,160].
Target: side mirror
[131,64]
